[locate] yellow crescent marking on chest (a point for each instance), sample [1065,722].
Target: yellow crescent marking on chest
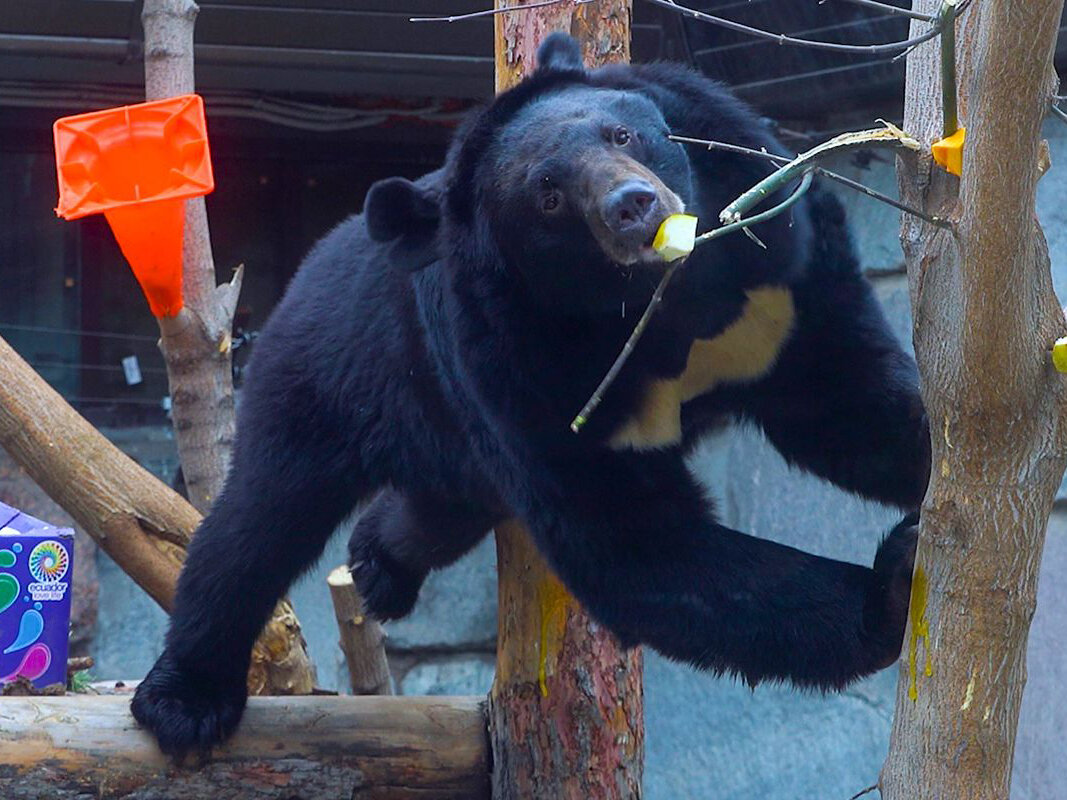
[746,350]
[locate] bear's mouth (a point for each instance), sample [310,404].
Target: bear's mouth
[629,252]
[625,202]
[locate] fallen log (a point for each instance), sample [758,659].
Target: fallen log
[287,748]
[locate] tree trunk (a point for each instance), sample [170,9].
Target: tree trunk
[566,716]
[305,748]
[197,350]
[196,342]
[985,320]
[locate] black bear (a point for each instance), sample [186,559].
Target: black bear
[436,349]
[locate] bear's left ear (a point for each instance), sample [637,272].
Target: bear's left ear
[559,52]
[406,214]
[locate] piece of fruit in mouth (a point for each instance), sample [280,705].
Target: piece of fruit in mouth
[676,237]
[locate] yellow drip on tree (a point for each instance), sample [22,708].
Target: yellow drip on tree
[554,601]
[920,629]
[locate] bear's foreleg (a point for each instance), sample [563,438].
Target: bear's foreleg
[633,538]
[288,488]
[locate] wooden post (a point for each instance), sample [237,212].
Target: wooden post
[565,711]
[197,351]
[362,638]
[985,320]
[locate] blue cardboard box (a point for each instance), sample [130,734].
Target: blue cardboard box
[35,568]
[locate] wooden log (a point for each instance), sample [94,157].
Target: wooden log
[362,638]
[566,711]
[292,748]
[139,521]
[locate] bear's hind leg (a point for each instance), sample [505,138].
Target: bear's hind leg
[400,537]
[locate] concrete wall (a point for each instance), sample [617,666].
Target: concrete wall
[709,738]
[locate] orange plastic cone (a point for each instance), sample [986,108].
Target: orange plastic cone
[137,165]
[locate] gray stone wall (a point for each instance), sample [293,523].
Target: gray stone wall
[709,738]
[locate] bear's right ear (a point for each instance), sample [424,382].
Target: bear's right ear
[406,214]
[559,52]
[395,206]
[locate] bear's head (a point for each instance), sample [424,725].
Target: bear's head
[563,181]
[567,182]
[577,170]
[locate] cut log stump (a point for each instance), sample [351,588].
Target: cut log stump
[362,638]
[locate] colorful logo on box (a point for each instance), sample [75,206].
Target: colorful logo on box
[48,562]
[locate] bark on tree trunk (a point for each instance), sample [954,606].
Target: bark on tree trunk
[566,708]
[566,713]
[305,748]
[985,319]
[196,342]
[197,350]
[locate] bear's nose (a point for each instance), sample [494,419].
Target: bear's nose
[629,208]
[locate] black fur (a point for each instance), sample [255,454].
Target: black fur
[450,387]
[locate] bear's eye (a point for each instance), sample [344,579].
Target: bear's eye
[550,202]
[620,136]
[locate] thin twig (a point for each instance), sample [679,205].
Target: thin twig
[862,792]
[624,354]
[884,198]
[493,11]
[947,25]
[890,9]
[834,176]
[1058,112]
[781,38]
[904,54]
[657,297]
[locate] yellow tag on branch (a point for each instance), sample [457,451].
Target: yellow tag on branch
[948,152]
[675,237]
[1059,354]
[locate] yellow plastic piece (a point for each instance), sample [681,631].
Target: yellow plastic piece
[1059,354]
[675,237]
[948,152]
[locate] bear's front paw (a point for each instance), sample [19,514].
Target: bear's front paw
[886,612]
[188,712]
[389,590]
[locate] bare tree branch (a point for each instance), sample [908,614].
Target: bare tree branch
[781,38]
[890,9]
[489,12]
